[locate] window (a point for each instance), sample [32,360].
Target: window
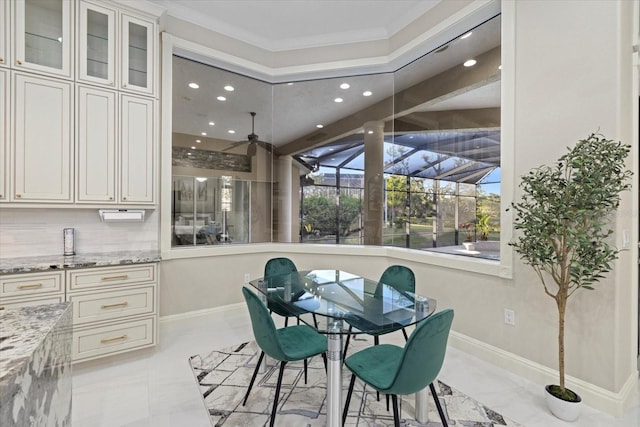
[440,135]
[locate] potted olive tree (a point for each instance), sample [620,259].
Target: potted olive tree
[564,222]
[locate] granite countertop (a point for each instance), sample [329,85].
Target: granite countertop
[23,329]
[60,262]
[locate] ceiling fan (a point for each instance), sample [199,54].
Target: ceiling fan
[253,140]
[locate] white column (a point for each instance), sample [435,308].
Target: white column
[373,182]
[283,195]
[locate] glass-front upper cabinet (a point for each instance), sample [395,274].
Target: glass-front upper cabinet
[4,33]
[43,37]
[97,44]
[137,55]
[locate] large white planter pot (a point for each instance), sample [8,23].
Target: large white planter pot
[563,409]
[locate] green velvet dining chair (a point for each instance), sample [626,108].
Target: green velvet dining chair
[288,344]
[400,278]
[281,266]
[404,370]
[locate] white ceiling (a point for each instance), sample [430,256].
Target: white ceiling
[278,25]
[286,113]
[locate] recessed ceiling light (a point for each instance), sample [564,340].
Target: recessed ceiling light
[319,126]
[201,179]
[203,133]
[470,62]
[290,84]
[188,154]
[221,98]
[198,141]
[231,131]
[345,86]
[193,148]
[338,100]
[369,132]
[367,93]
[331,149]
[193,85]
[464,36]
[229,88]
[212,124]
[500,67]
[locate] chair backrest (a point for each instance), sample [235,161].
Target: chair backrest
[264,330]
[279,266]
[423,354]
[398,277]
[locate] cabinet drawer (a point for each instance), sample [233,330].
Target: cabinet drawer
[31,285]
[112,305]
[93,342]
[24,302]
[110,276]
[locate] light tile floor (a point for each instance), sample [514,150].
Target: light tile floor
[156,388]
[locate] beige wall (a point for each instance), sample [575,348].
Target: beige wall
[566,73]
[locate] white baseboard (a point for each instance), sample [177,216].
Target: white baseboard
[220,309]
[593,396]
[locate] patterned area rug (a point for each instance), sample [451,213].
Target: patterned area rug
[223,377]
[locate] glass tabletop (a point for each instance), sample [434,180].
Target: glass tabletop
[338,299]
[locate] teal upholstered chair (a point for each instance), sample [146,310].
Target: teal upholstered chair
[400,278]
[287,344]
[281,267]
[399,371]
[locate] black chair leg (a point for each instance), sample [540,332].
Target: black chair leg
[346,345]
[315,321]
[305,371]
[396,417]
[275,398]
[253,378]
[406,337]
[324,359]
[440,411]
[376,341]
[346,403]
[387,402]
[286,322]
[298,321]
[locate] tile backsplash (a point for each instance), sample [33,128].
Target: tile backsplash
[38,232]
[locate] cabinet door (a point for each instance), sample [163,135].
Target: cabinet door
[43,37]
[4,134]
[4,33]
[137,50]
[96,44]
[137,150]
[96,148]
[42,151]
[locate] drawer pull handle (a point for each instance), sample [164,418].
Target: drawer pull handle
[30,286]
[108,340]
[118,304]
[124,276]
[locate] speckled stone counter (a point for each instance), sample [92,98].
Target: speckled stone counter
[35,365]
[60,262]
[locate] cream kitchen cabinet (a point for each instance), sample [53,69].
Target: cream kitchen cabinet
[138,58]
[96,44]
[43,36]
[96,145]
[4,133]
[108,172]
[18,290]
[137,150]
[5,29]
[42,139]
[114,309]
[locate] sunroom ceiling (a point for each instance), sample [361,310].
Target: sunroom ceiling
[466,156]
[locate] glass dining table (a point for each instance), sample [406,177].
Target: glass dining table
[338,303]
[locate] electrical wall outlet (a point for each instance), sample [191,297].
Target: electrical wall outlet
[509,317]
[247,277]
